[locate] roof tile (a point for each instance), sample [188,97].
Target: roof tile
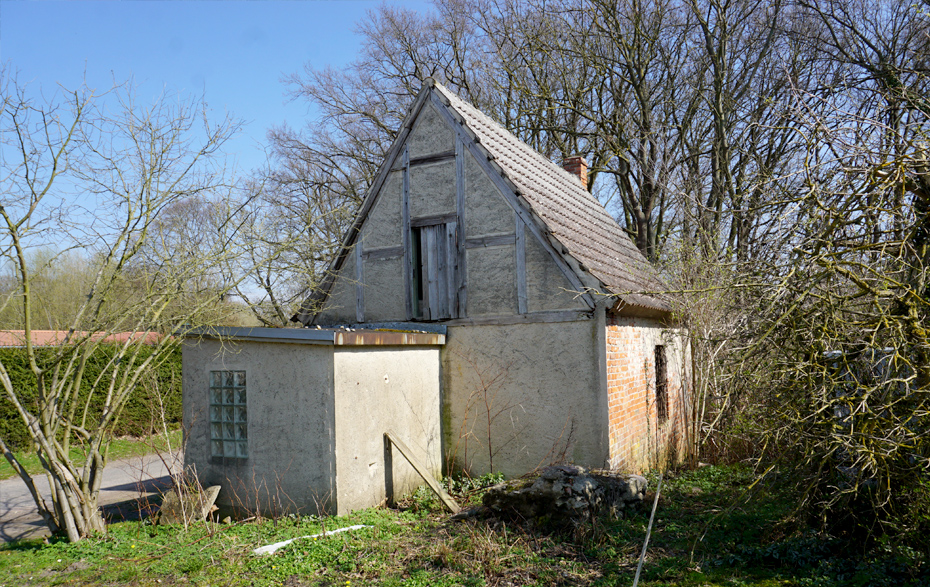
[575,218]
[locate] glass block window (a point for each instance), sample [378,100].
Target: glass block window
[228,415]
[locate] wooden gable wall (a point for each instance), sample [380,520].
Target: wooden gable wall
[439,203]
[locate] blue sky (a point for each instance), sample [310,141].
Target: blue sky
[233,53]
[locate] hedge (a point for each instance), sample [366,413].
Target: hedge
[140,415]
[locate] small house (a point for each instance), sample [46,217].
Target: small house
[558,346]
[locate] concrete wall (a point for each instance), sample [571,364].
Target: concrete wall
[537,383]
[638,441]
[379,389]
[291,424]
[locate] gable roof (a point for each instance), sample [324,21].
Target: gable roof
[579,225]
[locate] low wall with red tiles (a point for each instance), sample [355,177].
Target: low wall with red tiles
[638,439]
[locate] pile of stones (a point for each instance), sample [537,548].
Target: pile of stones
[566,493]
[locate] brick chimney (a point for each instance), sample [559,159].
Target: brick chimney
[576,165]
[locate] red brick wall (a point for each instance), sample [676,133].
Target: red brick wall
[637,440]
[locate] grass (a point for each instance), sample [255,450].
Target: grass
[120,448]
[708,533]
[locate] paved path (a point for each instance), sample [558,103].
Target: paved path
[126,484]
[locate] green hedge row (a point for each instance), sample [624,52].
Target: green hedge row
[140,416]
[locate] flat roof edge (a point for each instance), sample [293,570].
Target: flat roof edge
[337,337]
[260,334]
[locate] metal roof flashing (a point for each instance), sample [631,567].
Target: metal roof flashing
[323,336]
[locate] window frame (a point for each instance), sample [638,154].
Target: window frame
[661,383]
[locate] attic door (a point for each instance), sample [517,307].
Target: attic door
[435,269]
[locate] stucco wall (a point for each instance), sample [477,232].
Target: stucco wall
[432,189]
[339,307]
[381,389]
[383,290]
[547,288]
[492,282]
[382,228]
[486,211]
[291,430]
[430,134]
[537,383]
[638,441]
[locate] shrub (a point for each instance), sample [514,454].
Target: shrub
[141,414]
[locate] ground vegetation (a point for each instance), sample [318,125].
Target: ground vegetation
[713,526]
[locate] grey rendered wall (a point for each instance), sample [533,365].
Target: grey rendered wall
[381,389]
[291,462]
[491,270]
[547,288]
[539,385]
[430,134]
[340,304]
[383,276]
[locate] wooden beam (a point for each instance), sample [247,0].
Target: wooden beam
[423,160]
[461,291]
[405,229]
[427,159]
[449,250]
[359,283]
[432,220]
[383,253]
[421,470]
[496,240]
[521,264]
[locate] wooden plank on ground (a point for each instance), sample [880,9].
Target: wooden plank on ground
[444,497]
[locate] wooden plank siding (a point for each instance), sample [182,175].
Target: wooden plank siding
[435,271]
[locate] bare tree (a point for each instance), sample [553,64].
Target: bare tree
[839,329]
[80,175]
